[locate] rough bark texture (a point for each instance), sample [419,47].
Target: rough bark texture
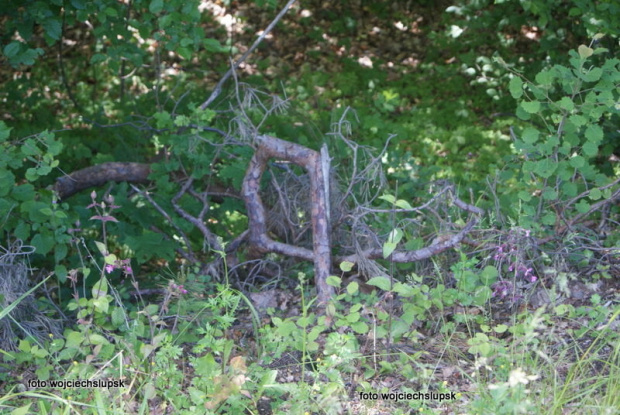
[317,166]
[271,147]
[101,174]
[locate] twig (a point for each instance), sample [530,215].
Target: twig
[189,255]
[218,88]
[196,221]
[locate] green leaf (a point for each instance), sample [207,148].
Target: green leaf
[595,194]
[500,328]
[23,192]
[578,120]
[525,196]
[110,259]
[46,211]
[530,135]
[550,194]
[287,328]
[577,162]
[352,317]
[42,243]
[482,295]
[5,131]
[185,53]
[346,266]
[12,49]
[112,12]
[78,4]
[102,248]
[569,189]
[548,219]
[22,410]
[7,182]
[582,206]
[590,149]
[52,28]
[98,57]
[544,78]
[522,114]
[186,42]
[74,339]
[584,51]
[531,107]
[516,87]
[25,57]
[22,231]
[545,168]
[353,287]
[566,104]
[333,281]
[151,309]
[94,338]
[163,119]
[403,204]
[395,236]
[182,121]
[61,273]
[393,239]
[118,317]
[156,6]
[360,327]
[383,283]
[489,275]
[388,248]
[592,75]
[100,289]
[212,45]
[528,166]
[594,133]
[29,148]
[43,372]
[388,198]
[405,290]
[43,170]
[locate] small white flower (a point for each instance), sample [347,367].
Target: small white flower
[519,376]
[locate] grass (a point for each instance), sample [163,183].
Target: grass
[534,362]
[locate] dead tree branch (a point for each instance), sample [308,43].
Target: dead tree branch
[99,175]
[218,88]
[268,147]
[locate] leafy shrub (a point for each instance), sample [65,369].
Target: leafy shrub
[572,110]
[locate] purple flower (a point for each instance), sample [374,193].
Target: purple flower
[502,289]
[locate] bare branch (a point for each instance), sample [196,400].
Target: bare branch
[196,221]
[218,88]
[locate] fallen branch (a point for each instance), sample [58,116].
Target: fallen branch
[313,162]
[101,174]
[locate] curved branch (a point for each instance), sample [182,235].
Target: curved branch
[99,175]
[314,163]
